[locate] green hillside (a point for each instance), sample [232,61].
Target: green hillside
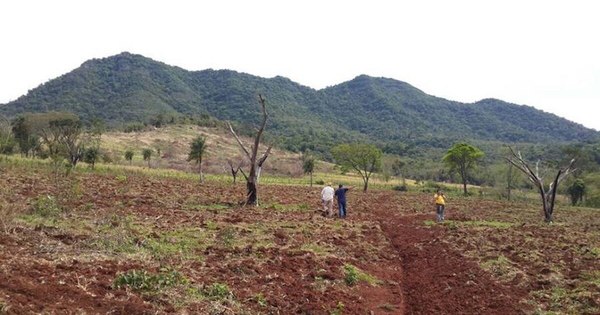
[127,88]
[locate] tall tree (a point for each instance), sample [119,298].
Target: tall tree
[197,149]
[308,165]
[25,135]
[147,155]
[7,140]
[576,191]
[462,158]
[129,156]
[363,158]
[252,156]
[548,194]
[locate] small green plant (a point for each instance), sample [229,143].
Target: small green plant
[144,281]
[46,206]
[3,307]
[226,236]
[339,309]
[350,275]
[217,291]
[353,275]
[260,300]
[121,178]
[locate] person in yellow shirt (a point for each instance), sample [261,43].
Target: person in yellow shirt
[440,203]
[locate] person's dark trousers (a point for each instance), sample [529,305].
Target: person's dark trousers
[440,212]
[342,211]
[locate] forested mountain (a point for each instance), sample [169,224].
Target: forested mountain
[127,88]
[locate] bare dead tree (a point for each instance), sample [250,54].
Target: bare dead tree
[235,165]
[252,157]
[548,195]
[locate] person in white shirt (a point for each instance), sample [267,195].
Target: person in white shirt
[327,198]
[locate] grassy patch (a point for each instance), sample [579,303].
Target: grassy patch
[144,281]
[501,267]
[492,224]
[353,275]
[292,207]
[217,291]
[316,249]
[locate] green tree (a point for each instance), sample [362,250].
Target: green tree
[147,155]
[576,191]
[363,158]
[129,156]
[7,140]
[197,150]
[308,165]
[91,156]
[25,135]
[462,158]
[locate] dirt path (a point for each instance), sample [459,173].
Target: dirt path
[439,280]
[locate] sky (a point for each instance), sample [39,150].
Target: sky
[544,54]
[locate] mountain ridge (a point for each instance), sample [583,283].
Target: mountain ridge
[128,87]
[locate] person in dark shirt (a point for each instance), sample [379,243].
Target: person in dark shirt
[340,195]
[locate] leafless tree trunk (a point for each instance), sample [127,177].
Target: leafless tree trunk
[548,196]
[234,168]
[255,164]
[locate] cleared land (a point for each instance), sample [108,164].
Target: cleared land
[124,242]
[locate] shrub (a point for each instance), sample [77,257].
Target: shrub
[400,188]
[320,182]
[46,206]
[353,275]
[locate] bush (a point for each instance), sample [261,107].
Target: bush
[46,206]
[319,182]
[400,188]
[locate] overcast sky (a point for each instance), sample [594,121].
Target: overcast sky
[540,53]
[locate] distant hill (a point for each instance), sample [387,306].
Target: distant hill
[126,88]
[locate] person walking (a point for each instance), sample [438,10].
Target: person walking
[440,203]
[327,198]
[340,194]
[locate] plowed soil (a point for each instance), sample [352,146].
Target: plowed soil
[283,257]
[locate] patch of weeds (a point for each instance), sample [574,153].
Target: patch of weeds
[339,309]
[4,308]
[492,224]
[315,248]
[46,206]
[592,277]
[180,243]
[215,207]
[353,275]
[116,234]
[121,178]
[144,281]
[226,236]
[429,223]
[217,291]
[501,267]
[560,300]
[293,207]
[260,300]
[211,225]
[388,307]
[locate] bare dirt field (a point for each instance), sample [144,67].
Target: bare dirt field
[130,244]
